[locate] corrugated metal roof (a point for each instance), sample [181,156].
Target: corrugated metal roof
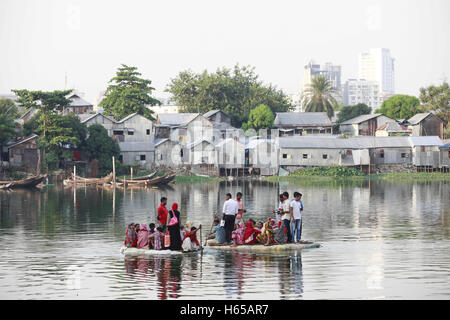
[417,118]
[211,113]
[23,140]
[146,146]
[392,127]
[175,119]
[362,118]
[330,142]
[255,142]
[78,102]
[86,117]
[127,118]
[302,118]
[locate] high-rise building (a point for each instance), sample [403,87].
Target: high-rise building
[362,91]
[329,71]
[378,65]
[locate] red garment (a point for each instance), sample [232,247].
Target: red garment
[250,233]
[193,236]
[162,214]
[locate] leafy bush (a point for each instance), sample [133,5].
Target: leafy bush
[333,171]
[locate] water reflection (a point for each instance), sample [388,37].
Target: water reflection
[376,237]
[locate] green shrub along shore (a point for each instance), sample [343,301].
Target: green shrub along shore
[186,179]
[334,173]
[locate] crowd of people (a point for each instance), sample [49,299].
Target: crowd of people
[232,229]
[169,234]
[286,227]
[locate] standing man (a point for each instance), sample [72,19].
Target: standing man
[162,213]
[286,216]
[230,209]
[296,214]
[241,209]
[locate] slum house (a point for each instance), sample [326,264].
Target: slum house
[302,123]
[426,152]
[168,153]
[201,157]
[77,105]
[364,125]
[390,129]
[133,128]
[98,118]
[137,152]
[445,155]
[371,154]
[230,157]
[221,124]
[24,153]
[261,156]
[426,124]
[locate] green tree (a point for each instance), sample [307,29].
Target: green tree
[234,91]
[318,96]
[261,118]
[437,99]
[49,103]
[8,112]
[128,93]
[350,112]
[400,107]
[102,147]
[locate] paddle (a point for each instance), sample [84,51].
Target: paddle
[212,225]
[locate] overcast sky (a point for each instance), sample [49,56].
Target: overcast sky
[42,40]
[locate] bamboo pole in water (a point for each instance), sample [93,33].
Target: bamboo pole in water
[114,170]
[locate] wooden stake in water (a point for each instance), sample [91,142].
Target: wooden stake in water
[114,170]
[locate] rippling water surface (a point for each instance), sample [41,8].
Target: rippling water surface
[379,241]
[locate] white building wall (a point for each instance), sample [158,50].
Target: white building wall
[378,65]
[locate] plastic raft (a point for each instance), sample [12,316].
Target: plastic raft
[260,248]
[135,252]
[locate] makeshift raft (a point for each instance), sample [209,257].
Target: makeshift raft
[260,248]
[135,252]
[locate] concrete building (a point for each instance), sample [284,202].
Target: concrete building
[378,65]
[426,124]
[262,156]
[302,123]
[362,91]
[364,125]
[133,128]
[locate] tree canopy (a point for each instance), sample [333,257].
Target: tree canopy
[400,107]
[318,96]
[437,99]
[128,93]
[8,112]
[102,147]
[235,91]
[350,112]
[261,118]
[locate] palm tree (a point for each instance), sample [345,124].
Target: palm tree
[318,96]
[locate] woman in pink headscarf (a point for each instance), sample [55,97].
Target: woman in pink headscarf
[238,234]
[142,237]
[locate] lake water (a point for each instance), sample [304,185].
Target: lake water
[380,240]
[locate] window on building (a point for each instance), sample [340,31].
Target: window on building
[160,156]
[381,153]
[423,149]
[181,153]
[349,152]
[118,132]
[284,155]
[130,132]
[305,156]
[404,155]
[142,157]
[120,158]
[148,131]
[324,156]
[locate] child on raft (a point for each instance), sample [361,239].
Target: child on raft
[190,241]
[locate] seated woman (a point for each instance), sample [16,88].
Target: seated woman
[216,225]
[238,234]
[190,241]
[157,238]
[259,225]
[142,237]
[130,236]
[250,233]
[266,236]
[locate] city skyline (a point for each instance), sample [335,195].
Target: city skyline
[47,41]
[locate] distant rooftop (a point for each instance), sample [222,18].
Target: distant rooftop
[362,118]
[302,119]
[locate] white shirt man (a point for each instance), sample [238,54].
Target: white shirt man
[296,209]
[230,207]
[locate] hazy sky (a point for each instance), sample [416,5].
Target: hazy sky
[42,40]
